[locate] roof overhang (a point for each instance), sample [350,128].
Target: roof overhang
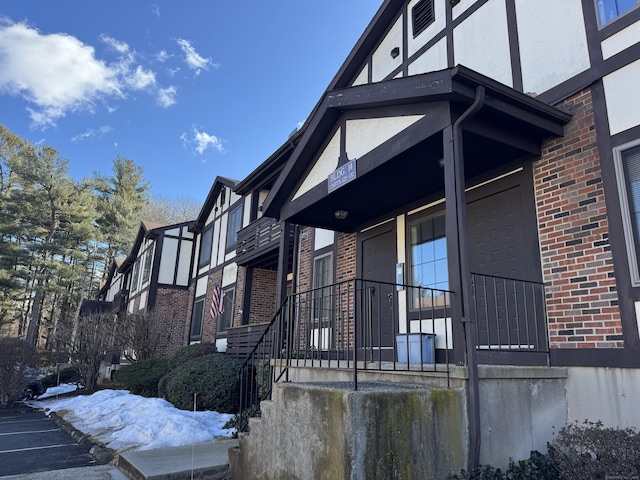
[405,168]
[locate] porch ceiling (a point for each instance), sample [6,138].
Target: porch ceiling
[405,169]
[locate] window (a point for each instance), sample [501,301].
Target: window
[206,241]
[225,321]
[135,276]
[627,160]
[196,321]
[233,227]
[422,16]
[428,262]
[609,10]
[322,278]
[148,257]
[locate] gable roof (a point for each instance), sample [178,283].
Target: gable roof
[443,95]
[146,230]
[218,184]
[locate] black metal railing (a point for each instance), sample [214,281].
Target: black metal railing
[510,314]
[356,325]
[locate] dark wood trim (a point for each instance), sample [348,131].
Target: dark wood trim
[514,46]
[246,295]
[596,357]
[593,34]
[614,26]
[625,137]
[448,31]
[155,272]
[627,293]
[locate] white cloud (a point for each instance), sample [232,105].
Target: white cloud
[120,47]
[201,141]
[162,56]
[91,133]
[155,10]
[194,60]
[141,79]
[57,74]
[166,96]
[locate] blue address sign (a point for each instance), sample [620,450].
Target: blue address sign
[342,175]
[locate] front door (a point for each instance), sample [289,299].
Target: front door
[378,260]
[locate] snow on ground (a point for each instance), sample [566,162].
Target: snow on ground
[59,390]
[123,421]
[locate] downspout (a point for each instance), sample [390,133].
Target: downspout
[468,317]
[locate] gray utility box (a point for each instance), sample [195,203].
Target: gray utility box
[420,347]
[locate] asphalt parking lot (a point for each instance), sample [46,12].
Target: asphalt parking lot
[31,442]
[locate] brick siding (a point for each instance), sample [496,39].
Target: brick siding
[582,301]
[169,320]
[263,295]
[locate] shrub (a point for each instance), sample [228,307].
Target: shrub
[142,377]
[590,450]
[15,356]
[190,352]
[213,378]
[67,375]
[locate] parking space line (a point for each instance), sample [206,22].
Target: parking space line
[25,421]
[37,448]
[31,431]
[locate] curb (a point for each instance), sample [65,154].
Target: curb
[102,454]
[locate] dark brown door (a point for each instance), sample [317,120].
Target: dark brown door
[377,323]
[506,268]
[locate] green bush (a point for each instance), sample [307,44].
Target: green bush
[190,352]
[213,378]
[142,377]
[67,375]
[589,450]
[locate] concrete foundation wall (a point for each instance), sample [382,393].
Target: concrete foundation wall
[610,395]
[312,431]
[520,410]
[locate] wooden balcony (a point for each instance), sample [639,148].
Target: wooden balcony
[258,243]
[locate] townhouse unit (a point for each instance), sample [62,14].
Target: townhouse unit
[235,285]
[466,196]
[152,285]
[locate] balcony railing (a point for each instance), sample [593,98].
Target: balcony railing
[120,300]
[258,238]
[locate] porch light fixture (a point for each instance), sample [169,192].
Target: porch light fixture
[341,214]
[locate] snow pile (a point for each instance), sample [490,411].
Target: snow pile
[123,421]
[59,390]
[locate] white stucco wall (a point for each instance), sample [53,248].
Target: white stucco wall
[622,92]
[327,162]
[481,42]
[553,42]
[621,40]
[432,60]
[382,61]
[183,266]
[363,135]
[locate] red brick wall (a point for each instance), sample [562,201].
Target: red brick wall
[263,295]
[345,256]
[582,302]
[170,321]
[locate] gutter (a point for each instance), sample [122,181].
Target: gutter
[468,317]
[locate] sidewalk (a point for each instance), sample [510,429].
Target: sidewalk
[208,460]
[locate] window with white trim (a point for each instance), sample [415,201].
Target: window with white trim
[195,333]
[233,226]
[609,10]
[428,266]
[225,320]
[627,159]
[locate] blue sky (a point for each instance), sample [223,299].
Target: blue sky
[188,90]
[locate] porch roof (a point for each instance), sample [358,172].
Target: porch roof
[405,169]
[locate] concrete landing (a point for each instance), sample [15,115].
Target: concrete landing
[208,461]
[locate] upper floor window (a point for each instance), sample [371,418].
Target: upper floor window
[611,9]
[135,276]
[148,258]
[628,170]
[233,226]
[195,333]
[206,241]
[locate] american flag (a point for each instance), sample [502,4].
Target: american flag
[217,305]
